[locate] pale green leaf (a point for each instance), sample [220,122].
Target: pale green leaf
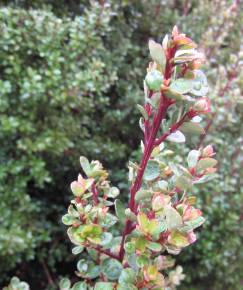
[151,171]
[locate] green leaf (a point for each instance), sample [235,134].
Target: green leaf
[205,178]
[103,286]
[176,137]
[68,219]
[111,269]
[182,85]
[143,194]
[172,94]
[120,211]
[151,171]
[156,247]
[64,284]
[113,192]
[205,163]
[80,286]
[108,221]
[142,111]
[88,269]
[191,225]
[157,52]
[200,84]
[142,261]
[126,287]
[192,128]
[127,276]
[154,100]
[154,80]
[192,158]
[173,218]
[106,238]
[163,185]
[77,250]
[178,239]
[130,215]
[183,182]
[130,247]
[85,165]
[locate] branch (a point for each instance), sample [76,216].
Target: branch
[47,273]
[95,193]
[173,128]
[106,252]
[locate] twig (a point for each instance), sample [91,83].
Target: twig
[47,273]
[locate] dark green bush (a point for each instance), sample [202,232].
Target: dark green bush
[56,77]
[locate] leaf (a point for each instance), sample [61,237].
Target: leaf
[205,163]
[157,52]
[88,269]
[143,194]
[77,250]
[113,192]
[183,182]
[151,171]
[77,188]
[154,100]
[106,238]
[173,218]
[85,165]
[68,219]
[127,276]
[204,179]
[126,287]
[156,247]
[142,111]
[111,269]
[154,80]
[176,137]
[172,94]
[108,221]
[80,286]
[142,261]
[191,225]
[130,215]
[120,211]
[200,84]
[163,185]
[192,128]
[182,85]
[192,158]
[178,239]
[141,124]
[103,286]
[64,284]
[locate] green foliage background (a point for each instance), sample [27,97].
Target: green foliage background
[70,75]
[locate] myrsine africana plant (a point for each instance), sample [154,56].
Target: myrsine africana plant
[129,246]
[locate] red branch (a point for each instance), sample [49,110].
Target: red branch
[150,137]
[95,193]
[106,252]
[173,128]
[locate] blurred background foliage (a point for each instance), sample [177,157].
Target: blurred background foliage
[70,75]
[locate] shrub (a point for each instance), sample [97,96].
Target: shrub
[161,215]
[123,37]
[51,94]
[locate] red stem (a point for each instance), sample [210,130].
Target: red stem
[95,193]
[150,137]
[164,104]
[106,252]
[173,128]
